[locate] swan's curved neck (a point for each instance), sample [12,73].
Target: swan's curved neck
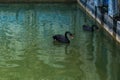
[94,27]
[67,36]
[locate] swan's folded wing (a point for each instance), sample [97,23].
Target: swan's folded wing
[60,38]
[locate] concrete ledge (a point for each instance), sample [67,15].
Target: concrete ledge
[106,27]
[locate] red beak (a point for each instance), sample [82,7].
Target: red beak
[71,37]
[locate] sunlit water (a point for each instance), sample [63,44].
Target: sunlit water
[27,50]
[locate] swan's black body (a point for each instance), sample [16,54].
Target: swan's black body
[88,28]
[62,38]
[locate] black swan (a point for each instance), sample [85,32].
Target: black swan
[63,38]
[88,28]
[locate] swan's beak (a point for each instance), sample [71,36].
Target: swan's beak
[71,37]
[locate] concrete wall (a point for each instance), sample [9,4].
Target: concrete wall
[110,24]
[35,1]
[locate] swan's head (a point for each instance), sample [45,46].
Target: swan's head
[71,36]
[69,33]
[95,27]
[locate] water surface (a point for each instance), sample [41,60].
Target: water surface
[27,50]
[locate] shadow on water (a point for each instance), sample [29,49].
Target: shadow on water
[27,50]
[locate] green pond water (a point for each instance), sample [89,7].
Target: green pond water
[27,50]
